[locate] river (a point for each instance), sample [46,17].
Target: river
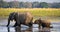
[23,28]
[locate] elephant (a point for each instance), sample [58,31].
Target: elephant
[43,23]
[20,18]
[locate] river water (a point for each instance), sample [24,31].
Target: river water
[34,28]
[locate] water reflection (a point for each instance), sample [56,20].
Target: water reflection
[27,30]
[19,29]
[8,29]
[3,28]
[45,30]
[56,28]
[31,29]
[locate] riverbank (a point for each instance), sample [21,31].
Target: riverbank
[52,19]
[4,12]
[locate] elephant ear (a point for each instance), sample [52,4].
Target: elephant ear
[15,16]
[12,15]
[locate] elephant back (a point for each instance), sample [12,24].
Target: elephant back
[25,17]
[29,17]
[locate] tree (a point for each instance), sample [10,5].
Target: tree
[55,5]
[14,4]
[35,5]
[44,5]
[21,5]
[27,5]
[3,4]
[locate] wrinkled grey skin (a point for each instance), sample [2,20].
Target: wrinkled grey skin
[20,18]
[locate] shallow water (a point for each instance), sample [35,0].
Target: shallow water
[3,28]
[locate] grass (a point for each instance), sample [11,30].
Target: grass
[4,12]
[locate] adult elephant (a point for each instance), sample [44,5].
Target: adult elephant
[43,23]
[20,18]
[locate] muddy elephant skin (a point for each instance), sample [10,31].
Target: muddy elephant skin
[20,18]
[43,23]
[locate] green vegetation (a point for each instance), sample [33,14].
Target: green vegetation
[4,12]
[35,4]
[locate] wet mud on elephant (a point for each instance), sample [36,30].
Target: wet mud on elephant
[43,23]
[20,18]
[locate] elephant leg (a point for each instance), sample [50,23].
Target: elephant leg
[30,25]
[43,25]
[8,22]
[19,25]
[39,26]
[15,25]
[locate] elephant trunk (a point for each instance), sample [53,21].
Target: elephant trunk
[8,22]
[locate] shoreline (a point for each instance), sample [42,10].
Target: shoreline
[52,19]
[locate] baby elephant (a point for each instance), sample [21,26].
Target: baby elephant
[43,23]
